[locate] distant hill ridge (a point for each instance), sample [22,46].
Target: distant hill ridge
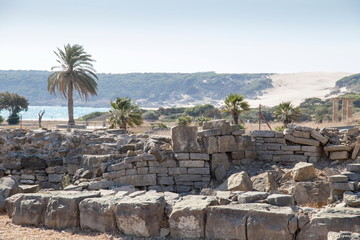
[147,89]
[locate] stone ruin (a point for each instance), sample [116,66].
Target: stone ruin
[272,183]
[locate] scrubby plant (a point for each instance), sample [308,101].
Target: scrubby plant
[184,120]
[235,104]
[159,125]
[280,128]
[287,113]
[13,119]
[124,113]
[150,115]
[201,120]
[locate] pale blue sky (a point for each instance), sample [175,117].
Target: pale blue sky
[185,36]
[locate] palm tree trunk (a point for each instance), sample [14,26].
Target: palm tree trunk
[71,121]
[236,118]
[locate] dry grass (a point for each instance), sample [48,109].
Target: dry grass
[10,231]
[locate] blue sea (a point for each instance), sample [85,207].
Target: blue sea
[54,113]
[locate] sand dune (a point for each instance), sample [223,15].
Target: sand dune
[296,87]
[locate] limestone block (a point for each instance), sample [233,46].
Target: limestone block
[352,176]
[62,210]
[187,219]
[349,186]
[211,145]
[158,170]
[199,156]
[251,197]
[303,141]
[280,200]
[188,178]
[293,158]
[9,205]
[177,171]
[338,178]
[29,209]
[250,221]
[318,136]
[142,215]
[218,124]
[119,166]
[192,163]
[210,132]
[262,134]
[203,171]
[182,156]
[33,162]
[312,149]
[327,220]
[97,214]
[8,187]
[116,174]
[264,182]
[343,235]
[310,192]
[137,180]
[237,182]
[338,148]
[165,180]
[184,139]
[301,134]
[219,165]
[303,128]
[352,199]
[355,151]
[343,155]
[227,143]
[250,154]
[353,167]
[303,171]
[96,185]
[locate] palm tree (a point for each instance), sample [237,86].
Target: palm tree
[235,104]
[287,113]
[75,72]
[124,113]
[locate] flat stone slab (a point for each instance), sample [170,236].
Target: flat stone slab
[349,186]
[352,199]
[252,196]
[280,200]
[353,167]
[250,221]
[338,148]
[338,178]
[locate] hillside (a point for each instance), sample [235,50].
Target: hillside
[147,89]
[351,83]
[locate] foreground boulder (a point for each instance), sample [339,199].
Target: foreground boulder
[303,171]
[237,182]
[250,221]
[331,219]
[142,215]
[62,211]
[187,219]
[8,187]
[97,214]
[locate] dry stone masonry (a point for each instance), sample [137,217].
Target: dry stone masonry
[140,185]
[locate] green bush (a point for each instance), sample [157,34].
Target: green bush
[184,120]
[159,125]
[201,120]
[280,128]
[1,119]
[150,115]
[13,119]
[90,116]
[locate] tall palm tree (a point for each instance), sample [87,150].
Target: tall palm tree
[235,104]
[287,113]
[124,113]
[75,72]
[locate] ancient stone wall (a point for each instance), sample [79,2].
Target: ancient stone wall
[186,161]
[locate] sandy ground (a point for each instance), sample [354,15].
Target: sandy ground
[295,87]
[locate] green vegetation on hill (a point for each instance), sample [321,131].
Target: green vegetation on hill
[351,82]
[147,89]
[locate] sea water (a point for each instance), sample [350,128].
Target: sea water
[54,113]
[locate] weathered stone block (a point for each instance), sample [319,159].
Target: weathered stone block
[141,216]
[187,219]
[338,178]
[119,166]
[195,163]
[218,124]
[246,221]
[143,170]
[353,167]
[177,171]
[338,148]
[203,171]
[227,143]
[116,174]
[238,155]
[54,178]
[300,134]
[343,155]
[237,182]
[210,133]
[280,200]
[349,186]
[318,136]
[303,171]
[62,210]
[199,156]
[158,170]
[211,145]
[165,180]
[137,180]
[182,156]
[188,178]
[184,139]
[304,141]
[97,214]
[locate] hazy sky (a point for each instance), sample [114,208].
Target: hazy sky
[185,35]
